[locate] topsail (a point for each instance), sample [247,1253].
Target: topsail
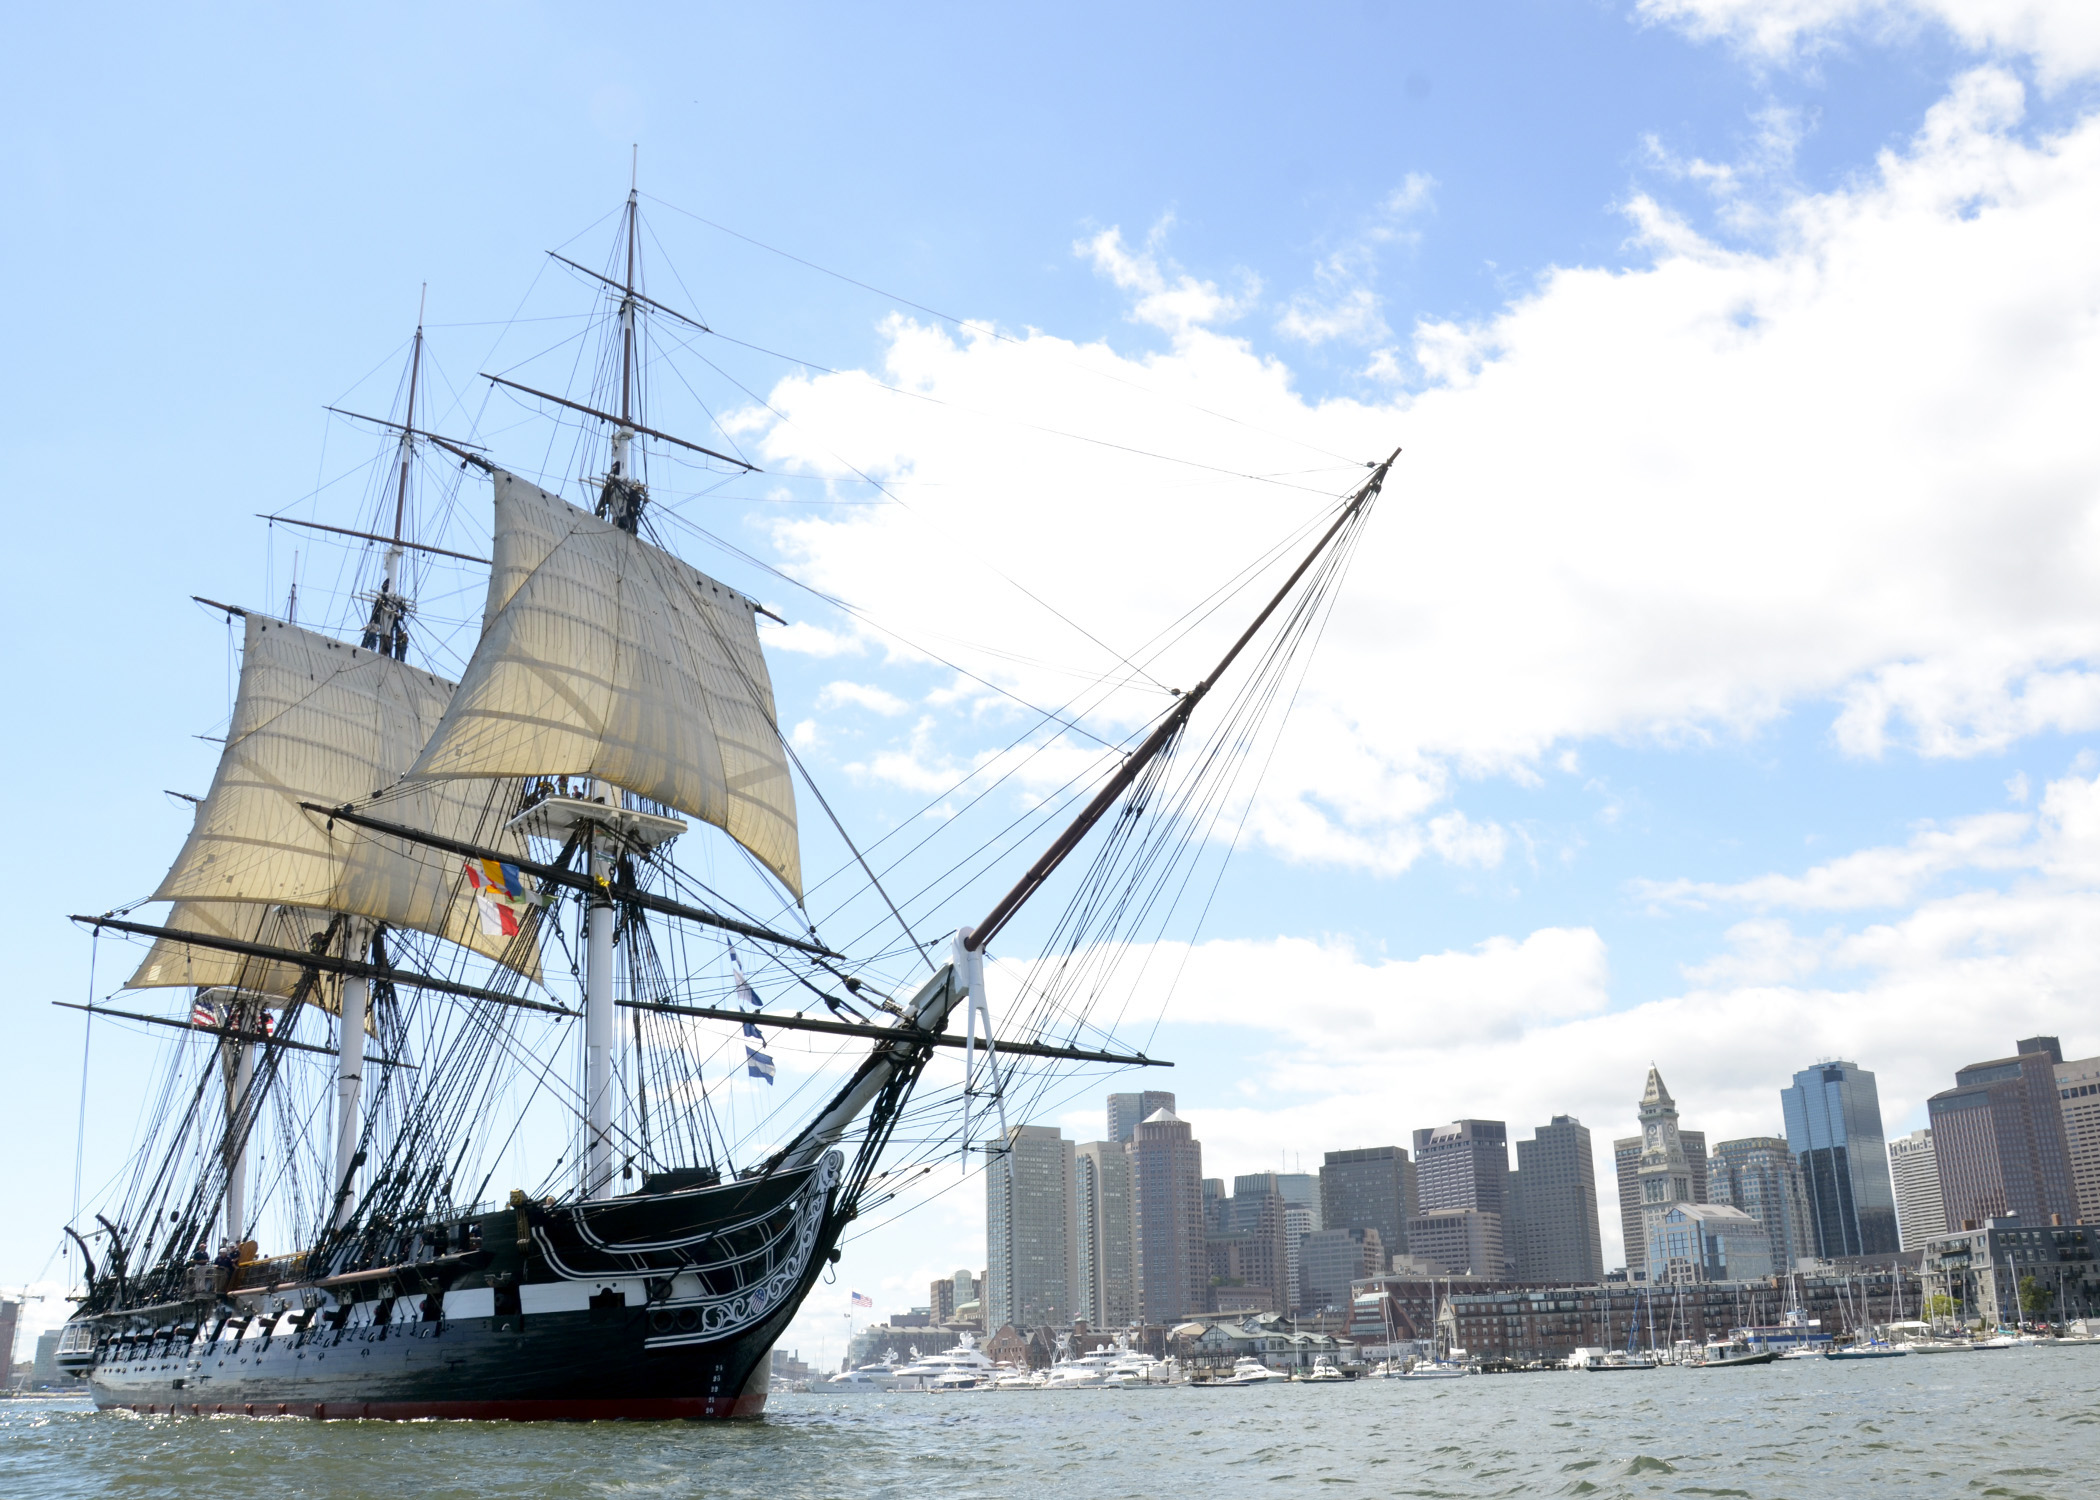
[321,721]
[603,656]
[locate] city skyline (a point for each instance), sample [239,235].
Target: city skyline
[1752,1207]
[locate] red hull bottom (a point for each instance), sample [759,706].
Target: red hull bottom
[674,1409]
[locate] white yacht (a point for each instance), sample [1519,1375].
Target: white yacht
[1324,1369]
[1252,1372]
[965,1362]
[862,1380]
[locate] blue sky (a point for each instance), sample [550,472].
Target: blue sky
[1716,688]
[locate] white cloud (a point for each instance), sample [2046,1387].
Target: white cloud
[1884,877]
[2062,36]
[1341,303]
[860,695]
[1166,298]
[1666,503]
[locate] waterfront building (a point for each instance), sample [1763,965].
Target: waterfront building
[2078,1092]
[1553,1223]
[1107,1290]
[1760,1175]
[1125,1111]
[1496,1321]
[1370,1188]
[1031,1229]
[1169,1261]
[1982,1270]
[1833,1123]
[1462,1241]
[1335,1259]
[1214,1196]
[1706,1242]
[1920,1215]
[1998,1140]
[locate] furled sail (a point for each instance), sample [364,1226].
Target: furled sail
[320,721]
[604,656]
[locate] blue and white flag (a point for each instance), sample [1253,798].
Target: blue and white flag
[757,1064]
[744,992]
[750,1030]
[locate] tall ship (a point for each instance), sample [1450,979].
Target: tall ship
[538,885]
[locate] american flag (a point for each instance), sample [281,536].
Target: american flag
[204,1014]
[860,1301]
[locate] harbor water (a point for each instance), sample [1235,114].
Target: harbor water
[2011,1423]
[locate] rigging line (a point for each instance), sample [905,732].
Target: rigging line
[985,328]
[884,489]
[817,792]
[1077,437]
[861,615]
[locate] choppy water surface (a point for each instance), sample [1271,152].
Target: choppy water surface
[2017,1422]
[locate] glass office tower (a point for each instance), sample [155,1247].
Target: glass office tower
[1833,1124]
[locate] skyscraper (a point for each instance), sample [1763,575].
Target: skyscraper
[1030,1230]
[1760,1176]
[1107,1290]
[2078,1088]
[1333,1259]
[1998,1140]
[1920,1215]
[1126,1110]
[1833,1124]
[1252,1243]
[1664,1174]
[1555,1231]
[1465,1165]
[1626,1159]
[1171,1264]
[1370,1188]
[1694,1142]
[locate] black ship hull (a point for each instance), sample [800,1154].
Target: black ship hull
[636,1309]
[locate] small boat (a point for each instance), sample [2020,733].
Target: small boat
[1874,1350]
[1324,1369]
[1619,1360]
[1735,1352]
[1939,1346]
[1802,1353]
[1252,1372]
[1434,1369]
[859,1381]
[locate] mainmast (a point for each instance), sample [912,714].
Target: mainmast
[622,499]
[387,633]
[621,503]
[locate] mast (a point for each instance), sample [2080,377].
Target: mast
[240,1083]
[387,633]
[620,503]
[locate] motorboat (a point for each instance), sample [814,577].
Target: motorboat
[1875,1349]
[1619,1360]
[860,1381]
[1732,1352]
[1324,1369]
[1434,1369]
[1246,1371]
